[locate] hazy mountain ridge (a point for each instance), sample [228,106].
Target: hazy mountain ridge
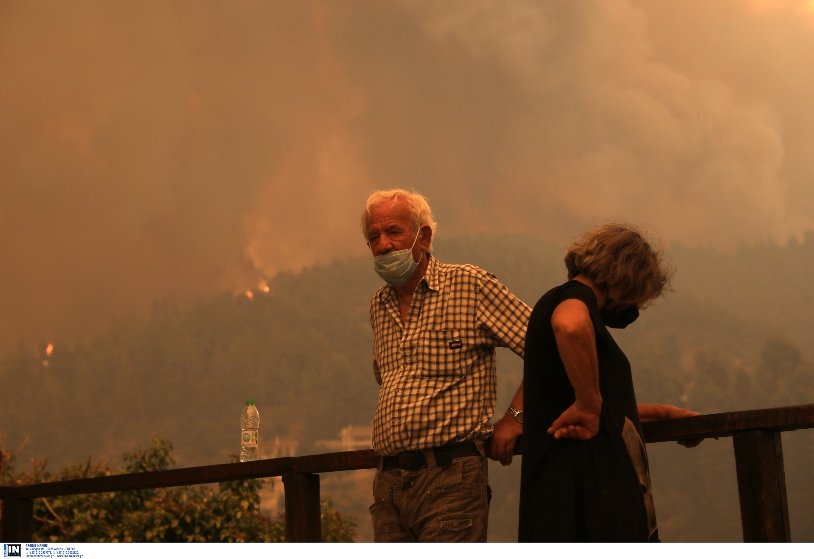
[302,351]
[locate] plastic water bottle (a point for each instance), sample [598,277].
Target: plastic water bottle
[249,432]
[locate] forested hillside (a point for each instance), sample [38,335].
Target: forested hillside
[736,333]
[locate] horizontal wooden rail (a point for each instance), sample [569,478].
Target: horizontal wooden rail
[726,424]
[152,480]
[755,433]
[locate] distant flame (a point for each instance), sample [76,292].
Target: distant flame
[49,351]
[262,288]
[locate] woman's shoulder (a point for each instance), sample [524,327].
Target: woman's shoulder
[571,289]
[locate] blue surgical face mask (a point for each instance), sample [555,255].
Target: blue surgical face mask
[397,267]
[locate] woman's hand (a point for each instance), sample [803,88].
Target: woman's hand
[654,412]
[575,423]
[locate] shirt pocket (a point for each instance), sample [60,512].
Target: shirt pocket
[442,353]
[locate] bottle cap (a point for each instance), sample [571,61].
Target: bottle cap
[249,402]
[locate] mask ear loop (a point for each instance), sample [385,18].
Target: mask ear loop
[417,235]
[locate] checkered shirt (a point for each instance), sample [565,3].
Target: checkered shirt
[437,371]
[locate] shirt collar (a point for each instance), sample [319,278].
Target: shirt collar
[432,279]
[432,276]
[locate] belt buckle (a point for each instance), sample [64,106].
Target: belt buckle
[412,460]
[443,458]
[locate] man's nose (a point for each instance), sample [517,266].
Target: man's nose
[382,245]
[381,248]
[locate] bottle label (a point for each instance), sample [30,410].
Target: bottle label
[249,437]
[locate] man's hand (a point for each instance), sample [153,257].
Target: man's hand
[504,439]
[575,423]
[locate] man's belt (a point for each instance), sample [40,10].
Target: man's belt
[417,459]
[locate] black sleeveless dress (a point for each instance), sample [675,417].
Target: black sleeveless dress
[584,491]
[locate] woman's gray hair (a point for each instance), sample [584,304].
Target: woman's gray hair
[616,256]
[419,208]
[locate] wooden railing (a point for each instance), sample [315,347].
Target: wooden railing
[755,435]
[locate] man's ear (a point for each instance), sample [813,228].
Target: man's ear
[426,234]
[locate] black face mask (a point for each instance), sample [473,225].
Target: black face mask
[619,317]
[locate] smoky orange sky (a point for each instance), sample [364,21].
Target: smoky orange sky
[162,149]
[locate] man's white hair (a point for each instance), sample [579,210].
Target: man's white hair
[416,203]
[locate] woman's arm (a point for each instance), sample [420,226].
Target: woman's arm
[653,412]
[576,343]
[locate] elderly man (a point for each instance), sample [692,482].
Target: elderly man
[435,330]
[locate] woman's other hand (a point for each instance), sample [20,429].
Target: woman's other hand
[654,412]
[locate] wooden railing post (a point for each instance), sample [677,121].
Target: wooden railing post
[18,520]
[302,514]
[761,486]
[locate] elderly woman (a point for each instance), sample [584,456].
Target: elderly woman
[584,472]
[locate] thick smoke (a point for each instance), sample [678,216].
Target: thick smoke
[152,149]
